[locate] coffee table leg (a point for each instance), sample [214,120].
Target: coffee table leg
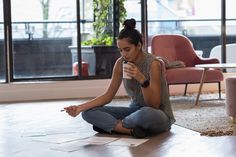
[201,84]
[233,119]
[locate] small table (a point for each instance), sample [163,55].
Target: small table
[208,66]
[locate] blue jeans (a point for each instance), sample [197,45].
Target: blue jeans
[106,117]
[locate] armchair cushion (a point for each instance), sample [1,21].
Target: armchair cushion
[188,75]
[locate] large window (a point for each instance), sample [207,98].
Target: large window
[45,43]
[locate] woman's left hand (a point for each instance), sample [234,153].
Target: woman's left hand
[135,73]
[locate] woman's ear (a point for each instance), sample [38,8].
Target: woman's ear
[140,46]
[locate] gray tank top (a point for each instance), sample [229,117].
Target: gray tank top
[133,87]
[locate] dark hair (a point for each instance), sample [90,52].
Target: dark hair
[129,32]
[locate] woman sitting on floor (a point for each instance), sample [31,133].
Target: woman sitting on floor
[149,111]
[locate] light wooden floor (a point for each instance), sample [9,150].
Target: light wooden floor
[20,119]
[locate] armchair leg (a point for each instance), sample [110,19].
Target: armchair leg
[219,89]
[185,89]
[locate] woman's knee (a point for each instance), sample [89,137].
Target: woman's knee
[153,117]
[148,111]
[140,118]
[92,114]
[86,115]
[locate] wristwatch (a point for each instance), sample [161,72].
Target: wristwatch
[145,83]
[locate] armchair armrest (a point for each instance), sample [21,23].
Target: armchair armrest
[200,60]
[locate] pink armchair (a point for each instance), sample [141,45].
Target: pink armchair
[179,48]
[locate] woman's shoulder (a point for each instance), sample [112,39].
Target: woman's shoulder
[150,56]
[152,59]
[120,60]
[155,64]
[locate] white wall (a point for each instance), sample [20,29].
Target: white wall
[77,89]
[53,90]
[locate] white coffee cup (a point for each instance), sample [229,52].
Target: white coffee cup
[125,64]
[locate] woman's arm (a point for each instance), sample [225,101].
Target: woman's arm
[152,93]
[104,98]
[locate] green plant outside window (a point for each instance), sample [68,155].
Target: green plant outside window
[103,27]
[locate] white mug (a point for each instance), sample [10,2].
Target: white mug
[125,76]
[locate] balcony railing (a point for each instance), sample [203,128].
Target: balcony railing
[56,60]
[57,29]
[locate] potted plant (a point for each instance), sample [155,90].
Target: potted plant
[102,42]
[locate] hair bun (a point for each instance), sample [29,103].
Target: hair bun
[129,23]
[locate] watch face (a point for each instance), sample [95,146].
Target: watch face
[145,84]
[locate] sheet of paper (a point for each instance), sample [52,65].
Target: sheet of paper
[32,133]
[81,143]
[70,147]
[130,142]
[98,140]
[60,138]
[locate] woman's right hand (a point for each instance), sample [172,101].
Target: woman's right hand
[73,110]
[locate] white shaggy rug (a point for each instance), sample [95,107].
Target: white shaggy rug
[209,117]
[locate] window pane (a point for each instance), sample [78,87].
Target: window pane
[191,18]
[98,49]
[42,34]
[2,53]
[133,8]
[230,33]
[231,20]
